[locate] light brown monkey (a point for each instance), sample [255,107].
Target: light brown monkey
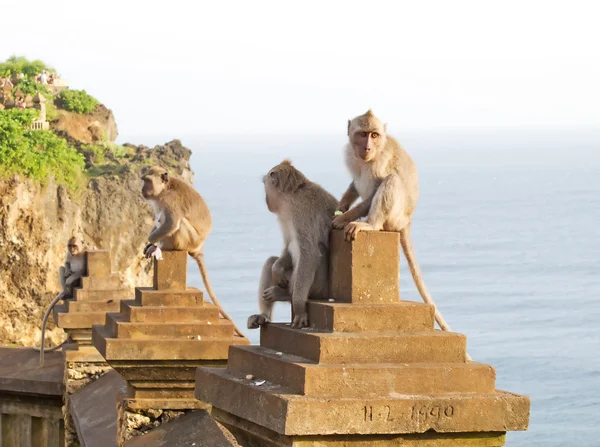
[74,267]
[304,211]
[182,221]
[385,177]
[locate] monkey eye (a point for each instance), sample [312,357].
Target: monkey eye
[363,134]
[374,135]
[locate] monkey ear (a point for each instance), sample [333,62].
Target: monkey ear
[348,127]
[165,177]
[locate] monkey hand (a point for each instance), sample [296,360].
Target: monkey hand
[340,221]
[255,321]
[353,228]
[148,250]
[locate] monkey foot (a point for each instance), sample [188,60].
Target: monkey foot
[300,321]
[275,293]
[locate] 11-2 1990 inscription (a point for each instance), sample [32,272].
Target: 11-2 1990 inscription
[418,413]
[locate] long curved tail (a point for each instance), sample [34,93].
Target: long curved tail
[199,257]
[59,297]
[413,265]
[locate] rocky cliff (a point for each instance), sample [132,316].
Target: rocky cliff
[36,222]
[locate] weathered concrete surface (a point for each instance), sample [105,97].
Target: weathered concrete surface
[20,372]
[94,411]
[357,347]
[252,435]
[403,316]
[355,380]
[195,428]
[292,414]
[366,270]
[168,273]
[30,398]
[370,367]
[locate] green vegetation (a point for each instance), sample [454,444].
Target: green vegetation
[37,154]
[106,158]
[78,101]
[19,64]
[30,87]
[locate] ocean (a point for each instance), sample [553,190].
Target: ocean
[505,232]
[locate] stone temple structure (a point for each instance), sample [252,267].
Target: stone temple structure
[370,371]
[157,341]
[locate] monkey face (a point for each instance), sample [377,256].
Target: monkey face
[155,181]
[367,136]
[367,143]
[74,246]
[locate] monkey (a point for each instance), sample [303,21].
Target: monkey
[385,178]
[182,222]
[74,267]
[303,209]
[68,274]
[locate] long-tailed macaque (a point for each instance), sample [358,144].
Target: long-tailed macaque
[182,221]
[385,178]
[74,267]
[69,275]
[304,211]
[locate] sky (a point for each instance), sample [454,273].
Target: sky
[188,68]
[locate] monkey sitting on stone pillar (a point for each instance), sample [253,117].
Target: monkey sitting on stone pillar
[385,178]
[304,211]
[74,266]
[182,222]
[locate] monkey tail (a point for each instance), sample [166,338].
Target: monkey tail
[415,270]
[59,297]
[199,257]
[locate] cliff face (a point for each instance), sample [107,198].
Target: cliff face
[100,125]
[36,222]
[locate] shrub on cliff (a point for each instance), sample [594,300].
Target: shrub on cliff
[20,64]
[37,154]
[78,101]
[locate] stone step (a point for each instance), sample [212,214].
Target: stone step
[277,408]
[98,263]
[135,313]
[79,320]
[404,316]
[365,347]
[110,305]
[209,348]
[101,282]
[102,294]
[147,296]
[121,328]
[305,377]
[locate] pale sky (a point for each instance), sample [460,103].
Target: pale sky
[179,68]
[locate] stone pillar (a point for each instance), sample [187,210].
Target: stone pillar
[100,292]
[370,371]
[157,341]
